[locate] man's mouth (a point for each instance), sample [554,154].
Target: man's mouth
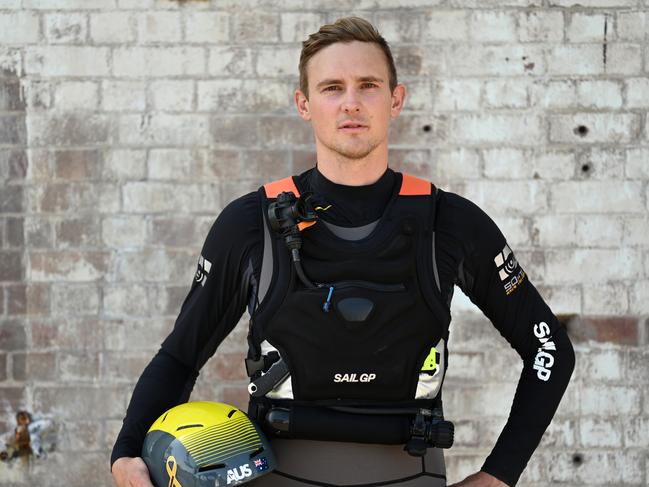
[352,127]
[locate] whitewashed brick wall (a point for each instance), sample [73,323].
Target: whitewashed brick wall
[127,125]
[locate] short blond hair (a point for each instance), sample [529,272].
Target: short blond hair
[346,29]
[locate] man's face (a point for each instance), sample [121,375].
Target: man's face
[350,104]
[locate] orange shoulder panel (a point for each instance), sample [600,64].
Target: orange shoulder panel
[280,186]
[412,186]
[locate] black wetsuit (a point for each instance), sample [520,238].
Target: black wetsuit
[470,252]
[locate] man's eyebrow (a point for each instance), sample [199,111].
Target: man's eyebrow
[333,81]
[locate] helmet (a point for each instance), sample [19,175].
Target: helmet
[201,444]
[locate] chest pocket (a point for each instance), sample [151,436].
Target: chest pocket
[348,340]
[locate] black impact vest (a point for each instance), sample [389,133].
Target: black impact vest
[373,332]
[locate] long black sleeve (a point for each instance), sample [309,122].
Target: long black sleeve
[217,299]
[488,273]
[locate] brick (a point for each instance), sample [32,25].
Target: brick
[601,365]
[77,232]
[11,199]
[136,334]
[599,94]
[126,96]
[79,436]
[553,93]
[10,96]
[555,164]
[610,400]
[208,27]
[129,301]
[485,60]
[638,302]
[112,28]
[159,27]
[34,366]
[73,402]
[247,96]
[11,267]
[636,432]
[454,95]
[164,129]
[13,164]
[624,59]
[446,25]
[278,61]
[457,164]
[53,61]
[123,366]
[174,164]
[635,231]
[12,335]
[637,92]
[77,164]
[124,231]
[251,26]
[68,333]
[68,4]
[575,60]
[3,367]
[136,62]
[508,163]
[599,231]
[230,61]
[76,95]
[67,129]
[67,266]
[560,433]
[135,4]
[602,164]
[420,96]
[600,433]
[587,27]
[496,128]
[122,164]
[620,330]
[637,372]
[15,234]
[13,398]
[68,28]
[12,129]
[19,28]
[606,299]
[275,131]
[631,25]
[153,265]
[506,93]
[540,26]
[593,3]
[75,299]
[16,299]
[584,197]
[416,61]
[601,128]
[38,232]
[82,365]
[67,197]
[174,96]
[174,232]
[586,265]
[415,162]
[160,197]
[296,26]
[492,26]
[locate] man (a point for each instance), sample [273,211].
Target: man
[357,310]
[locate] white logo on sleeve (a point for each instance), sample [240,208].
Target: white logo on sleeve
[508,269]
[203,270]
[543,361]
[239,473]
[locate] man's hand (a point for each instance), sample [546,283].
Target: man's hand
[480,479]
[131,472]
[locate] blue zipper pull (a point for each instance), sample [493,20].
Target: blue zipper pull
[327,304]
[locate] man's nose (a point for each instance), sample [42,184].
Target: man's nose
[351,103]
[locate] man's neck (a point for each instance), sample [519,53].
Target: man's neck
[353,172]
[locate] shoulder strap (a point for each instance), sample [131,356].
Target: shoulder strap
[273,189]
[414,186]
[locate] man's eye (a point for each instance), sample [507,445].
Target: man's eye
[331,88]
[369,85]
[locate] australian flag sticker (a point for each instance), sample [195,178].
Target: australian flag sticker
[261,464]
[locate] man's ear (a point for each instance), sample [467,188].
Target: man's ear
[302,104]
[398,100]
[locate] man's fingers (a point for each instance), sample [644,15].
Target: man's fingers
[131,472]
